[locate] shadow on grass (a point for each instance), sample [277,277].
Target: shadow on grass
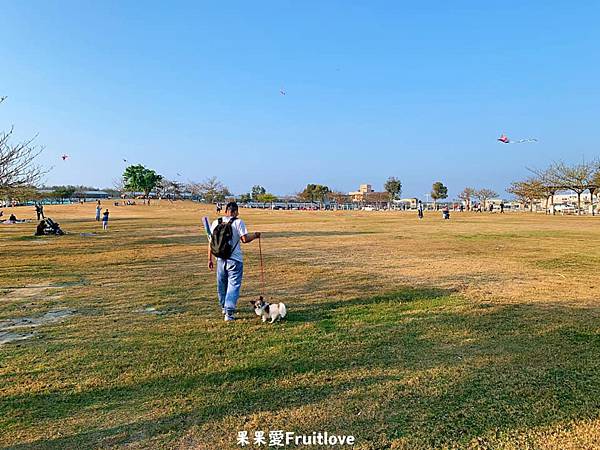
[299,234]
[323,310]
[191,239]
[483,370]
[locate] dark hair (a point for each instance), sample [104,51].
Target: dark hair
[231,207]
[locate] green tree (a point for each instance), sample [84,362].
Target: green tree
[139,178]
[393,186]
[314,193]
[256,191]
[438,192]
[266,198]
[63,192]
[246,198]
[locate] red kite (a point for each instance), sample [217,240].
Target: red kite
[505,140]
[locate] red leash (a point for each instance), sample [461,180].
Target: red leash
[262,269]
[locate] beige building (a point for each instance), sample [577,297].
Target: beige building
[366,194]
[361,194]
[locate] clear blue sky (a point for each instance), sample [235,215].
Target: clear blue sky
[418,90]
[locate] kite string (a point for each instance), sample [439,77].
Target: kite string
[262,269]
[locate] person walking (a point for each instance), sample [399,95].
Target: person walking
[227,235]
[105,220]
[420,209]
[98,211]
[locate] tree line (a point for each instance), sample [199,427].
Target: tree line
[558,177]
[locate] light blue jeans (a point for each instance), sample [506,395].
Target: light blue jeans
[229,282]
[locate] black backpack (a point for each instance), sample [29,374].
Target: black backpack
[220,244]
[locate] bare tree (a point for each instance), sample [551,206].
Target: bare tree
[212,190]
[18,171]
[194,188]
[339,197]
[527,191]
[483,195]
[119,185]
[549,185]
[466,196]
[577,178]
[170,189]
[595,184]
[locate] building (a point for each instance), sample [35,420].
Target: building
[93,195]
[361,194]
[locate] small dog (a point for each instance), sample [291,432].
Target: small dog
[273,311]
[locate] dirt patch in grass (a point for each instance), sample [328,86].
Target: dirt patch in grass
[7,337]
[31,291]
[10,330]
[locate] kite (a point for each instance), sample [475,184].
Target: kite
[505,140]
[282,92]
[124,160]
[65,157]
[178,174]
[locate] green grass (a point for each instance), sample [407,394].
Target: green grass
[401,347]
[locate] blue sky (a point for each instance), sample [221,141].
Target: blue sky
[418,90]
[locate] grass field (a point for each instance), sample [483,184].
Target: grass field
[478,332]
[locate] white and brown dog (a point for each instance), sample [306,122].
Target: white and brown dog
[273,311]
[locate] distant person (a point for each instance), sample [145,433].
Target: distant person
[420,209]
[39,230]
[501,207]
[230,269]
[446,212]
[98,211]
[491,207]
[219,208]
[39,211]
[105,220]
